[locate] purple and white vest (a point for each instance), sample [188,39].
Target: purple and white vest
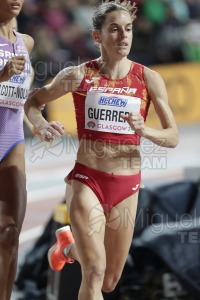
[13,94]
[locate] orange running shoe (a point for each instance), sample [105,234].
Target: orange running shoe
[56,257]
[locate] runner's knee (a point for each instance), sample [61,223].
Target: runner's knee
[9,236]
[93,273]
[110,282]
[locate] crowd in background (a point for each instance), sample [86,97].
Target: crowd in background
[165,31]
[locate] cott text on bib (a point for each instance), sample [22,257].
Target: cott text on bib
[13,94]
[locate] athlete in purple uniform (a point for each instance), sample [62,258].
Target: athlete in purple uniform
[15,79]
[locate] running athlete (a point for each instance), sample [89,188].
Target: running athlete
[15,78]
[111,96]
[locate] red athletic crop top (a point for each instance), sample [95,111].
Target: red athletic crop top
[99,102]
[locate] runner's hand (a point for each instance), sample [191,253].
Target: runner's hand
[49,131]
[136,122]
[14,66]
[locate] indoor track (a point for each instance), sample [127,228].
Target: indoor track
[48,165]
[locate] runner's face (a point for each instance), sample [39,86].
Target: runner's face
[10,9]
[116,34]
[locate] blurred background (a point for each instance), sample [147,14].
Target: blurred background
[166,38]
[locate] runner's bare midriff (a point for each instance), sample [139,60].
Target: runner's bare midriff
[109,157]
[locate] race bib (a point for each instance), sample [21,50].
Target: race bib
[103,112]
[13,93]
